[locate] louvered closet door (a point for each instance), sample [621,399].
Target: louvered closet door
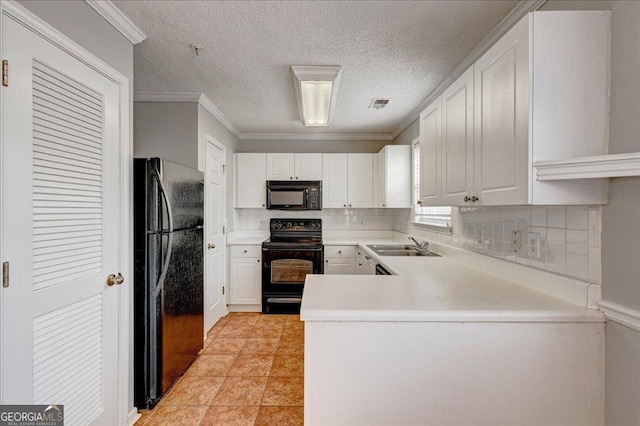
[60,210]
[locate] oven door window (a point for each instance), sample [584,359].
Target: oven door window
[287,198]
[290,271]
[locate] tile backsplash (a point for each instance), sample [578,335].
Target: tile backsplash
[332,219]
[569,235]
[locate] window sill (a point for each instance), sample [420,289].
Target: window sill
[441,229]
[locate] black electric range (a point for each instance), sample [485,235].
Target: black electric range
[293,250]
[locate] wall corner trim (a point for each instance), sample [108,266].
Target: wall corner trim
[518,12]
[118,20]
[620,314]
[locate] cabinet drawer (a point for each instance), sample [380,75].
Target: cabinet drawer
[339,251]
[246,251]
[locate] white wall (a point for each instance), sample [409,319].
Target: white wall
[409,134]
[167,130]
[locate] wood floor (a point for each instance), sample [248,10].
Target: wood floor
[250,372]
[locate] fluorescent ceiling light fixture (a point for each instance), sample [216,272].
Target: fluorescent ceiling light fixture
[315,88]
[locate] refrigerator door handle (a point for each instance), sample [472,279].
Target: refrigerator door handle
[165,266]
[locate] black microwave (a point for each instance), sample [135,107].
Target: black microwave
[296,195]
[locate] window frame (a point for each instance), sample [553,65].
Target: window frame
[433,218]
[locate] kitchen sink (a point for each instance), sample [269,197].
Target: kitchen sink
[400,250]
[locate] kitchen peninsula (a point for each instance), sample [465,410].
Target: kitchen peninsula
[444,343]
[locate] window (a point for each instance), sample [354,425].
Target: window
[437,218]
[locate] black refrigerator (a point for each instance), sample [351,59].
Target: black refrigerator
[169,274]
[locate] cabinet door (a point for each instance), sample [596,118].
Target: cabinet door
[370,267]
[251,173]
[380,179]
[457,141]
[334,181]
[501,120]
[361,263]
[360,180]
[280,167]
[430,154]
[308,166]
[244,281]
[340,266]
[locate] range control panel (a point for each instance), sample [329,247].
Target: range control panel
[294,225]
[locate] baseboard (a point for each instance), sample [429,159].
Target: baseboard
[133,416]
[245,308]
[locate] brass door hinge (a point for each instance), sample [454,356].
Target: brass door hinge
[5,274]
[5,72]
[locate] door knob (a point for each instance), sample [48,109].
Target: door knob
[114,279]
[211,246]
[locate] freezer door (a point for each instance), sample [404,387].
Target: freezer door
[182,306]
[185,192]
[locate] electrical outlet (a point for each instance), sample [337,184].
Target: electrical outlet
[533,244]
[516,242]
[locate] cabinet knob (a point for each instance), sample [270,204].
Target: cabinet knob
[296,177]
[291,177]
[359,264]
[384,205]
[419,202]
[467,199]
[245,251]
[212,246]
[258,260]
[345,205]
[349,205]
[327,261]
[474,199]
[262,205]
[339,251]
[367,257]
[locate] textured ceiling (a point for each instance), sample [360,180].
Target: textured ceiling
[395,49]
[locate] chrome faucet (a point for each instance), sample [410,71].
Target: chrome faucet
[422,246]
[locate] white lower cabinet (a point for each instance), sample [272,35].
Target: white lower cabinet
[365,265]
[339,260]
[245,276]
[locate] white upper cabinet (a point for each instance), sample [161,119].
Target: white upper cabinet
[251,176]
[393,177]
[539,93]
[308,166]
[280,166]
[334,181]
[430,155]
[294,166]
[457,140]
[360,180]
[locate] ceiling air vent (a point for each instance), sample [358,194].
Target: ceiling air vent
[379,103]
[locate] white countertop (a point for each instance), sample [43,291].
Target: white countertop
[240,238]
[430,289]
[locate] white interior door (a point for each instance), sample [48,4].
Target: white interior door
[215,306]
[61,200]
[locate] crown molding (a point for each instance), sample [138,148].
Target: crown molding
[594,167]
[518,12]
[206,103]
[620,314]
[317,136]
[118,20]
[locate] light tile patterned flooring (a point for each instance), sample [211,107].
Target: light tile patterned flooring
[249,373]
